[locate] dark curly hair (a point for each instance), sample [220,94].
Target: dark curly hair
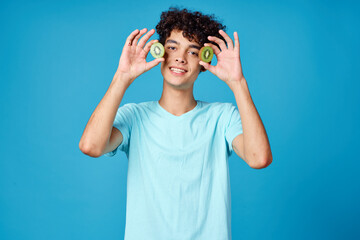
[195,25]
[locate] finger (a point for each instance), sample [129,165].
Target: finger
[134,42]
[228,40]
[146,37]
[131,37]
[147,47]
[153,63]
[219,41]
[208,66]
[214,47]
[237,42]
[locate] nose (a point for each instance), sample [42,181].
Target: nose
[180,59]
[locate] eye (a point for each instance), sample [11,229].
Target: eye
[193,53]
[171,48]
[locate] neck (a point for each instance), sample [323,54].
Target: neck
[177,101]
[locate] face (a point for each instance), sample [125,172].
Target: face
[181,66]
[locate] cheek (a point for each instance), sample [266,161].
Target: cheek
[164,63]
[167,53]
[195,65]
[163,66]
[167,57]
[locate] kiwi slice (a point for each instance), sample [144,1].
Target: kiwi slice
[157,50]
[206,54]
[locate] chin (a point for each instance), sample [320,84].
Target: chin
[178,85]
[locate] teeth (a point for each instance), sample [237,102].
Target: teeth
[177,70]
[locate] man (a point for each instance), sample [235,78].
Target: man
[178,147]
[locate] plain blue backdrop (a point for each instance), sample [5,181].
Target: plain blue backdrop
[301,62]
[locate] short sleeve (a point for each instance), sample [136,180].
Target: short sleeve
[233,127]
[123,122]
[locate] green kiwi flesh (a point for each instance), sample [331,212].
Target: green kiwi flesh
[206,54]
[157,50]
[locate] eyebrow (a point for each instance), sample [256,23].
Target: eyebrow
[190,46]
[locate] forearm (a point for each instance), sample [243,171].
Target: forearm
[256,144]
[98,129]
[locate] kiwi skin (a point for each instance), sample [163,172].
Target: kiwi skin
[157,50]
[206,54]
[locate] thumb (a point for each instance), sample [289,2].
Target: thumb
[208,66]
[153,63]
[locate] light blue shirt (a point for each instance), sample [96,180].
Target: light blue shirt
[178,184]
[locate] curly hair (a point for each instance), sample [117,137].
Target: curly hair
[195,25]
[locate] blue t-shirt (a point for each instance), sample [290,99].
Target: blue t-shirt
[178,184]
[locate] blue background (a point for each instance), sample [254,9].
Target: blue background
[301,62]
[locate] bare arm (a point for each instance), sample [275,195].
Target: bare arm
[115,140]
[97,132]
[253,145]
[99,136]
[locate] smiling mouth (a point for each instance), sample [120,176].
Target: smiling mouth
[177,70]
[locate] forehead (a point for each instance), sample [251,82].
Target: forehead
[177,35]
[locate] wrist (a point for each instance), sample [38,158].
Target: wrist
[122,79]
[237,83]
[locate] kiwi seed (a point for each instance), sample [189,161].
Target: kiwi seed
[206,54]
[157,50]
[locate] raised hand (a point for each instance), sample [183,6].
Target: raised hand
[228,67]
[133,57]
